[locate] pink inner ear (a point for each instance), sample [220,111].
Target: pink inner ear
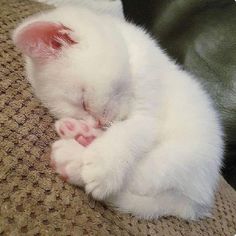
[43,39]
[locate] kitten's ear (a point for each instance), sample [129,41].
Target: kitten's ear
[42,39]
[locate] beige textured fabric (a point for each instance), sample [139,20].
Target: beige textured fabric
[34,200]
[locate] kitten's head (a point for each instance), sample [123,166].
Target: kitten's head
[77,63]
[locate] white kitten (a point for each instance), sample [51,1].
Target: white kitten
[162,154]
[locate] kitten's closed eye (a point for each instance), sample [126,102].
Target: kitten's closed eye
[85,105]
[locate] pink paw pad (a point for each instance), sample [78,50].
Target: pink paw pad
[84,141]
[84,132]
[70,126]
[67,126]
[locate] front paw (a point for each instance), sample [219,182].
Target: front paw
[66,160]
[84,132]
[101,176]
[68,128]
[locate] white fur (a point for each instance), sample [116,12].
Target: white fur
[162,155]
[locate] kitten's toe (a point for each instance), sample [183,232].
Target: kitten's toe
[70,128]
[99,175]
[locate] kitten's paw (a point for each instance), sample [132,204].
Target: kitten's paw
[66,160]
[69,128]
[84,132]
[99,176]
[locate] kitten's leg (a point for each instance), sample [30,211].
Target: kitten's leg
[165,203]
[83,131]
[178,177]
[108,159]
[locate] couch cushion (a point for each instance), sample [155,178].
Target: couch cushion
[34,200]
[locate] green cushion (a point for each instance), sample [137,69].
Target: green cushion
[201,35]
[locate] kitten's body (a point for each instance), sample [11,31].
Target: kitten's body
[162,154]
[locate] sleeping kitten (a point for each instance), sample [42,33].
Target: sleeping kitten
[136,130]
